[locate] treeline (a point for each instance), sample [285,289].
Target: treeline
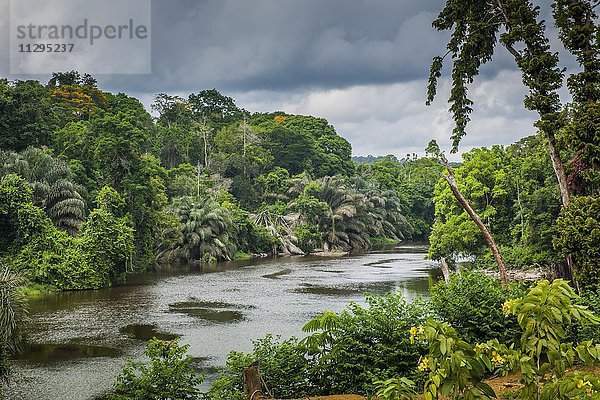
[93,186]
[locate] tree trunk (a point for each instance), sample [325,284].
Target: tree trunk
[559,169]
[484,229]
[445,270]
[252,386]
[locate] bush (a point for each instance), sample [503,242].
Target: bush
[472,304]
[364,344]
[283,366]
[543,356]
[309,237]
[168,375]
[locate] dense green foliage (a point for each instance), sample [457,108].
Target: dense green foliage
[94,259]
[472,304]
[202,181]
[513,192]
[387,346]
[92,187]
[168,375]
[363,344]
[579,234]
[543,355]
[13,313]
[569,130]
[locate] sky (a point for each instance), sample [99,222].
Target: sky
[361,64]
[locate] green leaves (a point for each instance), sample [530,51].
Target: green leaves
[395,389]
[457,369]
[207,230]
[578,234]
[544,313]
[168,375]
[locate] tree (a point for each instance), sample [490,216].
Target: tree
[207,228]
[341,225]
[13,314]
[579,234]
[384,209]
[477,27]
[210,105]
[291,150]
[476,30]
[26,118]
[434,149]
[53,187]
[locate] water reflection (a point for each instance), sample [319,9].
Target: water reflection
[146,332]
[46,353]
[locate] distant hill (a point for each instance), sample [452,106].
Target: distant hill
[372,159]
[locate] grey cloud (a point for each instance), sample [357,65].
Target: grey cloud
[362,64]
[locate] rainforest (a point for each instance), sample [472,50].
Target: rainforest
[184,247]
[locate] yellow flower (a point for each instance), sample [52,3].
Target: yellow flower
[423,364]
[497,358]
[580,384]
[506,307]
[414,331]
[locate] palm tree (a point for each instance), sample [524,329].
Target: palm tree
[341,225]
[53,188]
[208,231]
[13,313]
[383,210]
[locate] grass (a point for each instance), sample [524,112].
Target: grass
[383,241]
[36,290]
[240,255]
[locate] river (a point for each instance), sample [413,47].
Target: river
[80,339]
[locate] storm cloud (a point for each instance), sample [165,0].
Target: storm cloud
[362,64]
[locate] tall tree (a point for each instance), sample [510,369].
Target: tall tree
[53,187]
[434,149]
[26,116]
[476,29]
[478,26]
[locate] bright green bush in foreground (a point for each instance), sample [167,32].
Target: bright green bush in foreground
[168,375]
[472,304]
[542,356]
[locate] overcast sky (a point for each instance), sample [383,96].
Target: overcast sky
[362,64]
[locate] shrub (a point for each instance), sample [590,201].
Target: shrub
[309,237]
[472,304]
[364,344]
[543,356]
[168,375]
[283,366]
